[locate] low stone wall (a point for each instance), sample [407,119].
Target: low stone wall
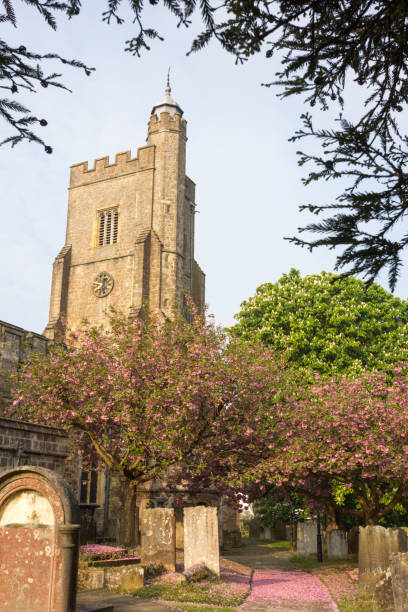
[125,577]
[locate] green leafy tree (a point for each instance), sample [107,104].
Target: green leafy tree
[327,324]
[279,506]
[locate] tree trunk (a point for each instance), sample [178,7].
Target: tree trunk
[126,534]
[331,521]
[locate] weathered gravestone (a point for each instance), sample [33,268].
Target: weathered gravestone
[352,541]
[306,544]
[399,580]
[255,527]
[336,544]
[266,533]
[39,539]
[376,544]
[158,535]
[280,530]
[201,545]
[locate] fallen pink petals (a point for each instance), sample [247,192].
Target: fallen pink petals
[283,587]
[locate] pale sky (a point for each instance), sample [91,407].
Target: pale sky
[248,182]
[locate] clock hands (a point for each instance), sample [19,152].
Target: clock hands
[103,284]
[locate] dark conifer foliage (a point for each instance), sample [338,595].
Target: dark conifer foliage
[22,69]
[322,45]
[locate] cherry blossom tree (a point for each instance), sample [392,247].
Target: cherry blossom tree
[146,398]
[345,440]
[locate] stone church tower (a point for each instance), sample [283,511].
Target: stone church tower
[130,231]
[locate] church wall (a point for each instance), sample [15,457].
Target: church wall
[83,304]
[16,344]
[23,443]
[133,196]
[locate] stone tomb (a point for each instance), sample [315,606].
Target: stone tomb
[201,545]
[38,541]
[158,535]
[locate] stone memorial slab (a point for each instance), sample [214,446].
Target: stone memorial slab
[266,533]
[255,527]
[399,579]
[376,545]
[201,544]
[306,544]
[336,544]
[352,541]
[38,541]
[158,535]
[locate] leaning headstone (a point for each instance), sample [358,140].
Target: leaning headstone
[158,536]
[266,533]
[280,530]
[255,527]
[376,544]
[383,598]
[201,545]
[399,579]
[352,541]
[307,538]
[336,544]
[39,540]
[300,540]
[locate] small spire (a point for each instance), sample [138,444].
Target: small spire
[168,88]
[167,104]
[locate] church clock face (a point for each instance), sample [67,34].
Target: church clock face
[102,284]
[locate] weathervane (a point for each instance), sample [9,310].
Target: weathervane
[168,88]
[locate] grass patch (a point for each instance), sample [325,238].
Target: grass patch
[276,544]
[308,565]
[279,544]
[360,604]
[213,592]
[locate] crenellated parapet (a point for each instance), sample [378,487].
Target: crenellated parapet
[102,169]
[166,121]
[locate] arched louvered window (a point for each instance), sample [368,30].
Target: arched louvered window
[108,226]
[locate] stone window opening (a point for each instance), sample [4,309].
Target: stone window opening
[89,487]
[108,226]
